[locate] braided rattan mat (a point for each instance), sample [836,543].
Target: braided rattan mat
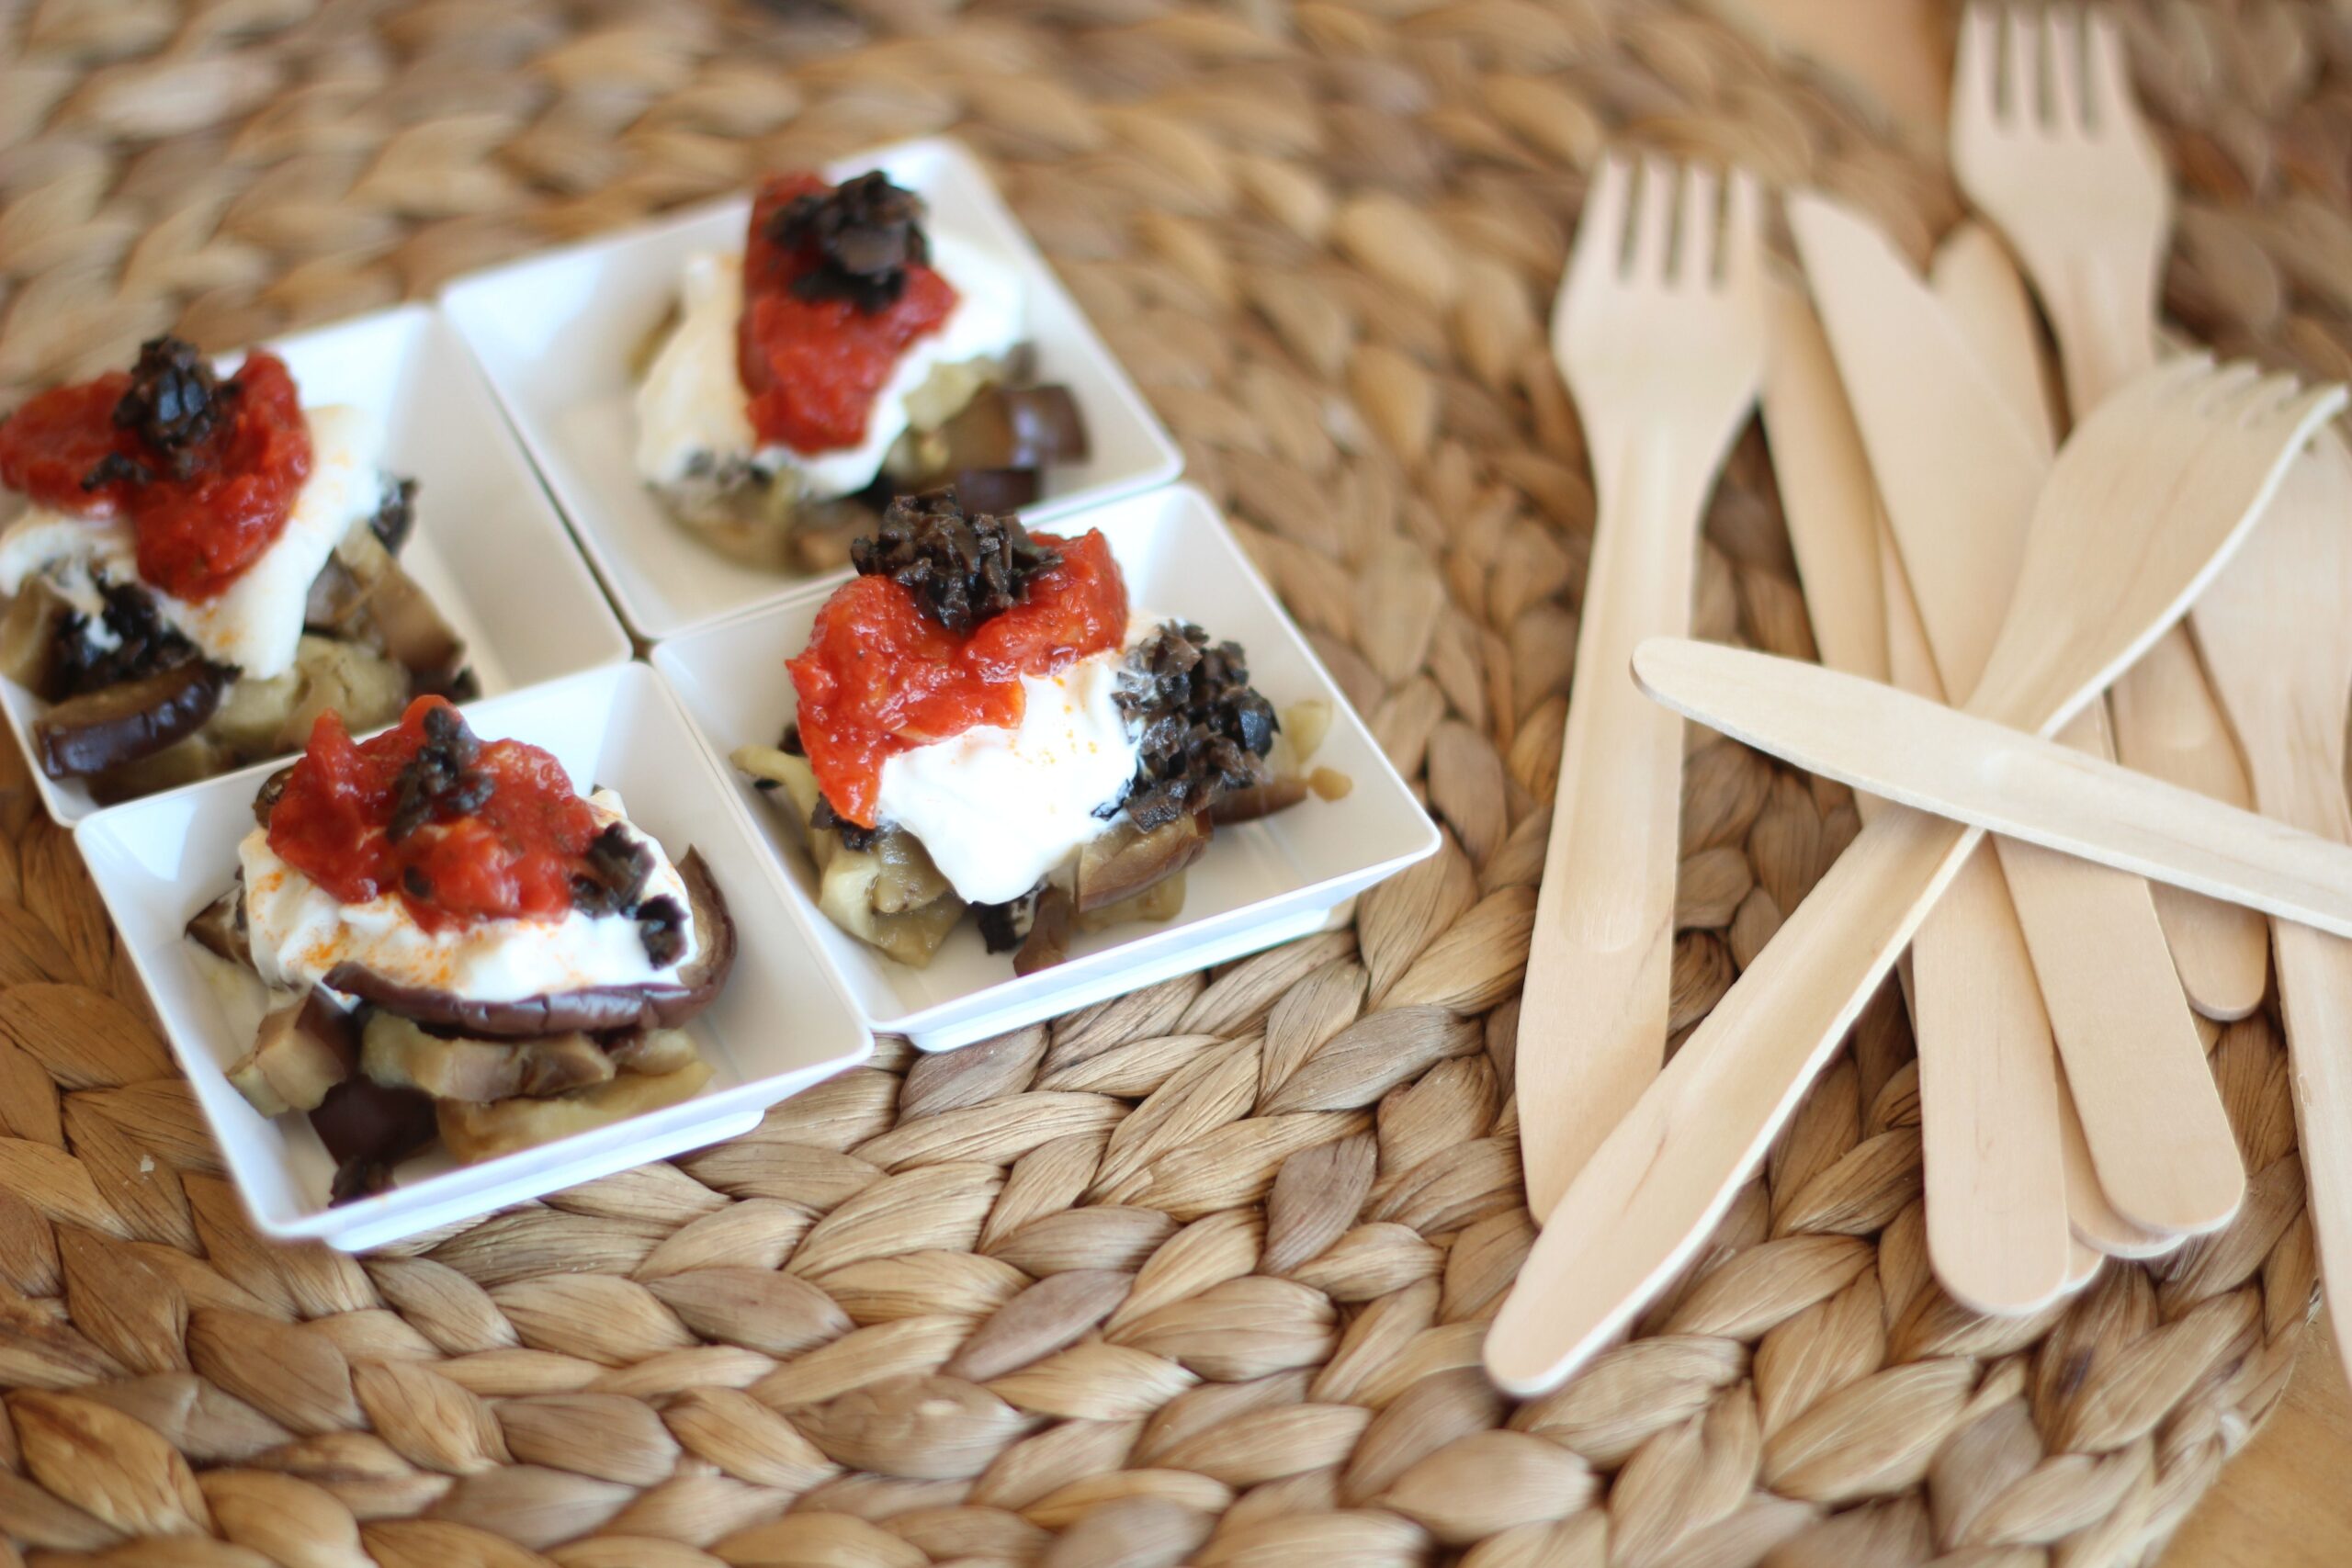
[1201,1273]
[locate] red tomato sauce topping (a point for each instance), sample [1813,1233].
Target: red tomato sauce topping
[513,857]
[812,368]
[196,535]
[879,677]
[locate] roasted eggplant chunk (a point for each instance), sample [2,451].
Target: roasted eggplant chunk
[302,1052]
[116,725]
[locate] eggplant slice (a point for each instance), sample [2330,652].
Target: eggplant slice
[105,728]
[592,1011]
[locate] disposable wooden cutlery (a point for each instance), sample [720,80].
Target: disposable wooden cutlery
[2277,637]
[1921,754]
[2141,509]
[1997,1221]
[1958,469]
[1660,332]
[2047,141]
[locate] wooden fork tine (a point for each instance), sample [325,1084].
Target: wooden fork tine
[2223,389]
[1977,69]
[2062,60]
[2265,402]
[2298,410]
[1653,220]
[1601,231]
[1743,243]
[1694,262]
[2022,66]
[2110,75]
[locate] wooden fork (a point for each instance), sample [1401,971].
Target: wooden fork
[2046,141]
[1661,341]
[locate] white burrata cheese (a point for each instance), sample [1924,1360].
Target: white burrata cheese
[298,931]
[255,623]
[999,809]
[692,405]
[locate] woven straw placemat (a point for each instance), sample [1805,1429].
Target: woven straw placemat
[1201,1273]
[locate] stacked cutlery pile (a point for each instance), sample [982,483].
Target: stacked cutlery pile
[2062,979]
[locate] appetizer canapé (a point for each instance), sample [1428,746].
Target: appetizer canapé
[440,935]
[845,355]
[984,723]
[203,567]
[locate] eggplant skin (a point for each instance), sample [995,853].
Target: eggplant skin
[120,724]
[592,1011]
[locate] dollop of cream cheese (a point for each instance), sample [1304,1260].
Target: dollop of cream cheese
[690,404]
[1000,808]
[256,623]
[298,931]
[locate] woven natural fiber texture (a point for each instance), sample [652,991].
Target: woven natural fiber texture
[1200,1274]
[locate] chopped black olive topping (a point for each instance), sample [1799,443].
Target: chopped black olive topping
[419,886]
[462,687]
[791,745]
[1204,729]
[175,404]
[144,644]
[619,868]
[961,569]
[853,838]
[439,784]
[866,234]
[395,514]
[662,926]
[1004,927]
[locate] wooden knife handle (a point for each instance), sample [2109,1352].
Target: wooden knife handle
[1646,1200]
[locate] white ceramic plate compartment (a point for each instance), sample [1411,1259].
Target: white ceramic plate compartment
[488,547]
[781,1024]
[1259,884]
[557,335]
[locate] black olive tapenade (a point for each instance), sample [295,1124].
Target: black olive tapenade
[962,567]
[440,781]
[1204,730]
[866,232]
[144,644]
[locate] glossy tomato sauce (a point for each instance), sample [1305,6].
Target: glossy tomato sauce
[511,858]
[196,535]
[811,368]
[879,677]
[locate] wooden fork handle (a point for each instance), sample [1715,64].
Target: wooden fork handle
[1644,1203]
[2315,997]
[2166,720]
[2168,723]
[1599,969]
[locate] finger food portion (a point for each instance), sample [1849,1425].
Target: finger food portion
[984,723]
[202,567]
[442,937]
[850,352]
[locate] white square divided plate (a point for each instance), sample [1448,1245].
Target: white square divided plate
[488,546]
[1259,884]
[557,334]
[780,1024]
